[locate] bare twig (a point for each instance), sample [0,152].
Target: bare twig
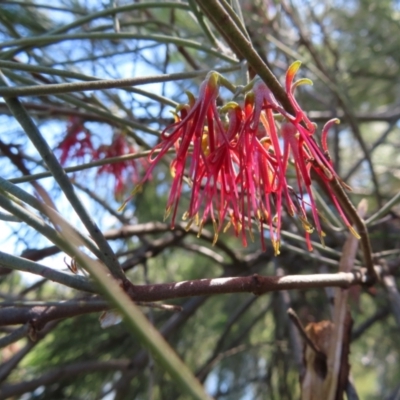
[92,84]
[17,334]
[63,372]
[7,367]
[40,315]
[297,323]
[255,284]
[378,316]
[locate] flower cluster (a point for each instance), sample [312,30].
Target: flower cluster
[121,170]
[78,145]
[235,160]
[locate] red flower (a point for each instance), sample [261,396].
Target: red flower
[196,134]
[119,170]
[77,143]
[235,163]
[298,137]
[262,174]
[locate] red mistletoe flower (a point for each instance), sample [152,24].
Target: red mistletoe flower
[308,156]
[77,143]
[261,174]
[119,170]
[235,161]
[196,133]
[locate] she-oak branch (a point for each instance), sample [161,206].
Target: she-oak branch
[255,284]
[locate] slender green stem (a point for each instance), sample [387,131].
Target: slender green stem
[121,122]
[42,5]
[237,8]
[244,48]
[12,65]
[8,217]
[312,256]
[138,323]
[24,265]
[384,210]
[203,24]
[305,62]
[237,19]
[41,41]
[227,84]
[92,84]
[66,186]
[104,13]
[386,253]
[116,10]
[81,167]
[74,75]
[156,97]
[360,225]
[16,66]
[44,209]
[328,212]
[70,99]
[314,244]
[32,220]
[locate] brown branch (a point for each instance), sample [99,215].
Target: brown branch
[379,315]
[14,336]
[38,316]
[152,249]
[60,373]
[7,367]
[159,227]
[39,254]
[297,323]
[204,251]
[338,350]
[255,284]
